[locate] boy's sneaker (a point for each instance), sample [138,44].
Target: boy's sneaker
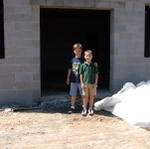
[71,110]
[90,111]
[84,111]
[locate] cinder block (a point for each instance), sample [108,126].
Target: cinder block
[8,60]
[9,10]
[17,2]
[7,85]
[103,4]
[25,44]
[25,97]
[36,76]
[23,26]
[117,4]
[39,2]
[19,18]
[121,28]
[24,76]
[54,2]
[36,85]
[36,93]
[7,95]
[36,68]
[26,36]
[24,60]
[22,85]
[23,10]
[10,68]
[36,60]
[36,51]
[28,68]
[79,3]
[6,78]
[9,44]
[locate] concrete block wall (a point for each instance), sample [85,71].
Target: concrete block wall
[19,75]
[127,58]
[20,70]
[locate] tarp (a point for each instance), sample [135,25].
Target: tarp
[131,103]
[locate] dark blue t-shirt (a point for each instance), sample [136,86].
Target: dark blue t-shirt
[74,65]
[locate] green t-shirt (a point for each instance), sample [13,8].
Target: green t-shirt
[88,71]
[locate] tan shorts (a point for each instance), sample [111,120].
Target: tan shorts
[89,90]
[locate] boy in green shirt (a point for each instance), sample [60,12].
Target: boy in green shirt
[89,79]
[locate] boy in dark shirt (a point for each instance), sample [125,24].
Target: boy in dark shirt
[73,75]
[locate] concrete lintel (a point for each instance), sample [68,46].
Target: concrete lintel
[38,2]
[98,4]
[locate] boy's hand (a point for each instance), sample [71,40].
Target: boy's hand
[95,85]
[82,85]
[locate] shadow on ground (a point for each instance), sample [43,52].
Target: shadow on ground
[52,106]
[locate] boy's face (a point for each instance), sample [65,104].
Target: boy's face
[77,52]
[88,56]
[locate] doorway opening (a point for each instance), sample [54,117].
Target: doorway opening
[59,30]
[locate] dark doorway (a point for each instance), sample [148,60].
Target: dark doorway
[60,29]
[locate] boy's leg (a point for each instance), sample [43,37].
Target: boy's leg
[74,89]
[73,93]
[92,93]
[85,96]
[72,107]
[84,100]
[84,105]
[73,101]
[91,99]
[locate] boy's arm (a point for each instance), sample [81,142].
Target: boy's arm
[68,76]
[96,79]
[81,76]
[81,80]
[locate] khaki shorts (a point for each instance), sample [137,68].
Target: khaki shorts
[89,90]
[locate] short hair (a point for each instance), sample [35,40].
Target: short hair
[77,45]
[88,51]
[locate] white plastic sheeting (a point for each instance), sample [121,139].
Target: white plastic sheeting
[131,103]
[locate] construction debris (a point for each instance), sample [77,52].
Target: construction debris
[8,110]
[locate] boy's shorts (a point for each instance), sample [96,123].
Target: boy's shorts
[89,90]
[75,88]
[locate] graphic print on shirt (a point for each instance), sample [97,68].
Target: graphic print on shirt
[75,67]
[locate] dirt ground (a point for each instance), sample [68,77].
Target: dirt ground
[52,129]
